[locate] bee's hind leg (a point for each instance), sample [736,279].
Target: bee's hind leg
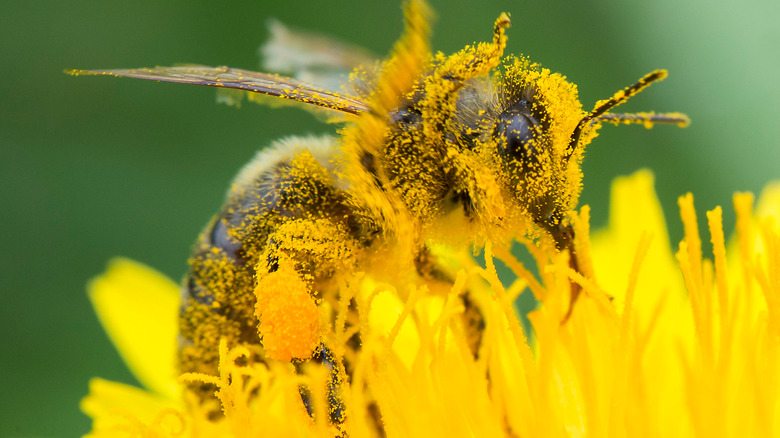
[326,358]
[297,272]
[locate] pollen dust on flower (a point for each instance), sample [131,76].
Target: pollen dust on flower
[289,322]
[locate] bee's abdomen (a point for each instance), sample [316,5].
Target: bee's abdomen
[286,203]
[217,301]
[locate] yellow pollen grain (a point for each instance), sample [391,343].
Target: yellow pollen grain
[289,321]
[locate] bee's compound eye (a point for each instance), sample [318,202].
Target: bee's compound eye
[516,132]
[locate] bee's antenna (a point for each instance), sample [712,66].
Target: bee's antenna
[602,106]
[647,119]
[442,86]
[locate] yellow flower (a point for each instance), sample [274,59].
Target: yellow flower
[658,344]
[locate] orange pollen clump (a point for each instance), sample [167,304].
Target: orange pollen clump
[289,319]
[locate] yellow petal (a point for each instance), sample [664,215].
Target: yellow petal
[769,201]
[746,246]
[384,313]
[660,331]
[634,210]
[122,410]
[138,308]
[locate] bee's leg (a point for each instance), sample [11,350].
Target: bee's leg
[302,259]
[429,268]
[575,287]
[336,405]
[564,240]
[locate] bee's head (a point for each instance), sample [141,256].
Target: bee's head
[505,144]
[534,130]
[526,159]
[520,122]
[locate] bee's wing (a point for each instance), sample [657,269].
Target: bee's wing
[233,78]
[312,57]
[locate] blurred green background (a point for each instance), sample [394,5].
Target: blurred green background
[95,167]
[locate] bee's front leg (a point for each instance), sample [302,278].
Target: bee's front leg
[430,268]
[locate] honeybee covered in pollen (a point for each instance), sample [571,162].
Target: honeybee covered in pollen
[457,149]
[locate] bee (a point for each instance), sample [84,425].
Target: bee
[457,149]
